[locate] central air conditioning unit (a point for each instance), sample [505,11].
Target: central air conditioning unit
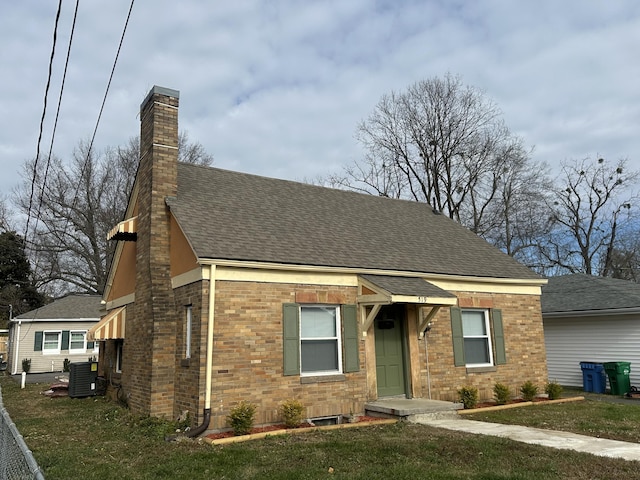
[82,379]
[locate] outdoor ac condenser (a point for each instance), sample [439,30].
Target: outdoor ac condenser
[82,379]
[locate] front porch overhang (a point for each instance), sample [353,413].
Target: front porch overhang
[379,290]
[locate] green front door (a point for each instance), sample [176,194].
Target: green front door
[390,369]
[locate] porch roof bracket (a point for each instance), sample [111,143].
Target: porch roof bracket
[424,320]
[367,320]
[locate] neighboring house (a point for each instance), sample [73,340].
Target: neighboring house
[4,342]
[50,334]
[228,287]
[590,319]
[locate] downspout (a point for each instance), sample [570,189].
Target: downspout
[426,351]
[16,342]
[209,365]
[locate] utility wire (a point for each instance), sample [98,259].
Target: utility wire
[95,130]
[44,111]
[55,124]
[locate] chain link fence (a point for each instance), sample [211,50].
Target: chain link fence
[16,460]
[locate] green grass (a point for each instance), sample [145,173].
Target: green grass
[589,417]
[94,438]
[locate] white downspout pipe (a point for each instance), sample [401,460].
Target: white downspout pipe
[209,366]
[16,343]
[209,357]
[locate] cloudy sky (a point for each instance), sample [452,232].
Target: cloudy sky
[277,87]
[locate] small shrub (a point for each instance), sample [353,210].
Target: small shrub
[501,393]
[65,365]
[26,365]
[241,418]
[292,412]
[553,389]
[529,391]
[468,396]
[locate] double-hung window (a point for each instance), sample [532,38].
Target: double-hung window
[51,343]
[320,339]
[77,342]
[478,337]
[320,352]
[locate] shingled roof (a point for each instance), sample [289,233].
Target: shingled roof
[582,293]
[237,216]
[74,306]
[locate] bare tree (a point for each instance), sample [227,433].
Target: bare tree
[445,143]
[5,216]
[592,203]
[80,202]
[522,215]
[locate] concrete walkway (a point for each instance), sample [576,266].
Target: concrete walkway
[548,438]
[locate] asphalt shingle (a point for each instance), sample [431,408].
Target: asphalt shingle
[237,216]
[71,306]
[580,292]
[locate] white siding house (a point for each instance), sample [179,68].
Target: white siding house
[54,333]
[590,319]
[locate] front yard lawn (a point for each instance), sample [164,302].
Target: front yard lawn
[94,438]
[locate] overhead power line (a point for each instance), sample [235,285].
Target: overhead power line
[44,112]
[55,123]
[95,130]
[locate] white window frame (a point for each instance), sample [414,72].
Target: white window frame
[487,336]
[187,334]
[337,338]
[73,351]
[51,351]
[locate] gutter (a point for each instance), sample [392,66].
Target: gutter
[592,313]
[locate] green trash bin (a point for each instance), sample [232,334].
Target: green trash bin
[618,373]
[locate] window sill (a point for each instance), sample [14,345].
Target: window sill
[323,379]
[481,369]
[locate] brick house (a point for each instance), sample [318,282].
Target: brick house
[227,287]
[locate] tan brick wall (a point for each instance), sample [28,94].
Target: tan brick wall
[149,350]
[248,362]
[524,343]
[190,374]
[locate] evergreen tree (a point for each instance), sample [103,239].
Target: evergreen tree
[16,286]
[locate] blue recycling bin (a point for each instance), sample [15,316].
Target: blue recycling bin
[594,378]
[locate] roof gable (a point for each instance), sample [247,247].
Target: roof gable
[237,216]
[581,292]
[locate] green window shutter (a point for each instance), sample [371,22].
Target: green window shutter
[291,338]
[498,337]
[90,345]
[350,339]
[37,344]
[458,337]
[65,340]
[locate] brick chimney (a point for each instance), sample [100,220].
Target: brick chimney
[149,353]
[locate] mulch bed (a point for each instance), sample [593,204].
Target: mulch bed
[282,426]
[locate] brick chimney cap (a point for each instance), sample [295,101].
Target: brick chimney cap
[169,92]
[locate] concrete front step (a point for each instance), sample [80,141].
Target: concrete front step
[411,410]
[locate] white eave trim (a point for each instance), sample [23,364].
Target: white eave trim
[357,271]
[58,320]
